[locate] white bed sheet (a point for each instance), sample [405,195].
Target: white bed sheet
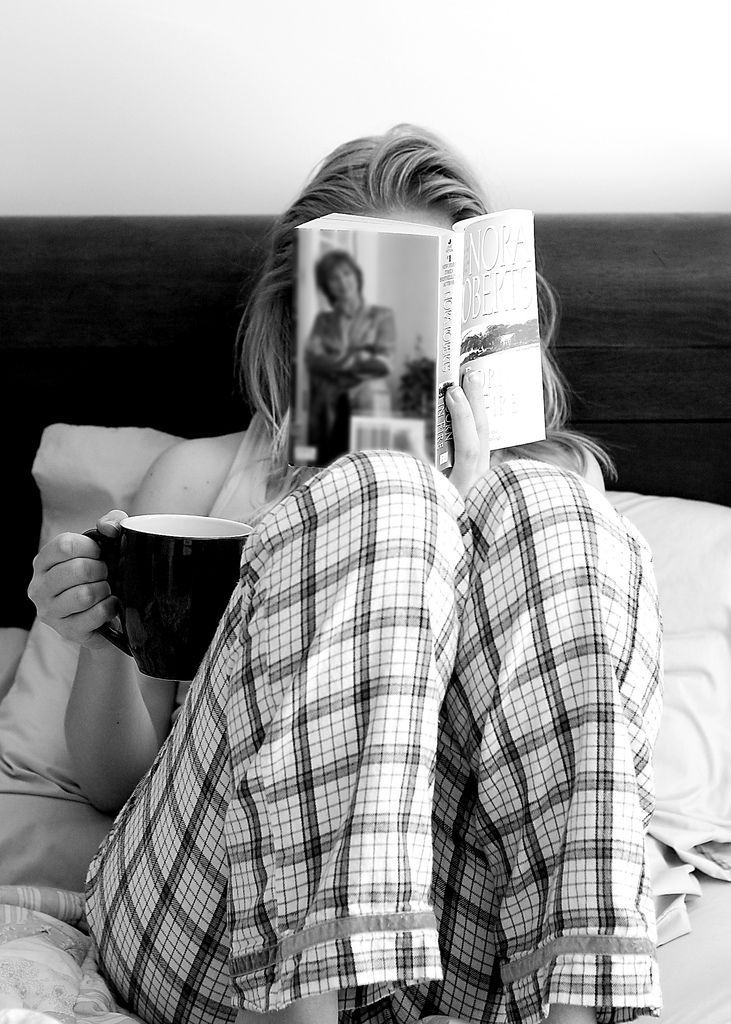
[695,969]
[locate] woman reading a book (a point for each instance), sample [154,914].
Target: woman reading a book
[413,772]
[347,356]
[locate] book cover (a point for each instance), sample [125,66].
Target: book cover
[389,312]
[499,323]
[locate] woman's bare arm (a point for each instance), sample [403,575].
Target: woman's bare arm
[116,721]
[116,718]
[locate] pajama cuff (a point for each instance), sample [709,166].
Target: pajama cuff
[618,976]
[379,951]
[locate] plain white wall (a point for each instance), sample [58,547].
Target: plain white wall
[224,106]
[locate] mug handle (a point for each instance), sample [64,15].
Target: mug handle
[110,554]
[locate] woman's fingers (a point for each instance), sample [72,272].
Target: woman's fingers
[79,597]
[69,586]
[466,441]
[109,523]
[82,628]
[67,590]
[64,548]
[473,383]
[470,427]
[80,607]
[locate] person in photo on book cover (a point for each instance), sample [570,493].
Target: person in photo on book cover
[413,774]
[347,356]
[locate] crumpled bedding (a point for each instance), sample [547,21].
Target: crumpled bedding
[48,966]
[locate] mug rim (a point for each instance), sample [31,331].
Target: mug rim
[236,531]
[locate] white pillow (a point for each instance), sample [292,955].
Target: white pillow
[691,546]
[12,643]
[48,830]
[83,472]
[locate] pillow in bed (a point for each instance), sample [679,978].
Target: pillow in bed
[12,644]
[691,546]
[48,830]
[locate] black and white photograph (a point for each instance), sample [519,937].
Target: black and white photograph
[367,324]
[326,697]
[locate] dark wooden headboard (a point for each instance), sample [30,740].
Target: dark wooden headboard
[645,343]
[131,321]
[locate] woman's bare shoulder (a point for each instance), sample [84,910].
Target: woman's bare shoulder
[187,476]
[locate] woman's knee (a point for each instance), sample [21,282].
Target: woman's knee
[390,472]
[524,484]
[549,528]
[366,507]
[365,483]
[530,498]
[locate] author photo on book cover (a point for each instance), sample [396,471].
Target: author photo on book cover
[348,356]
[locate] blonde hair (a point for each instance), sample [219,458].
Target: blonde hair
[406,168]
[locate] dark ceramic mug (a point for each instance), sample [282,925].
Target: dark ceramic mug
[172,576]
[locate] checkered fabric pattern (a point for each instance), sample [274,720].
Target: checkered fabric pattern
[414,765]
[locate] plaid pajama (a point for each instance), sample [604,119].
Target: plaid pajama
[414,765]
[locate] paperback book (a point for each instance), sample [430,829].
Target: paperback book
[389,313]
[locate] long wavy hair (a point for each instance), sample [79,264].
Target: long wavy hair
[406,170]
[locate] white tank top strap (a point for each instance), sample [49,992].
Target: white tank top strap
[245,487]
[243,492]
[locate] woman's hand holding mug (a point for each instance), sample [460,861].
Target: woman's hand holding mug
[165,578]
[69,587]
[173,576]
